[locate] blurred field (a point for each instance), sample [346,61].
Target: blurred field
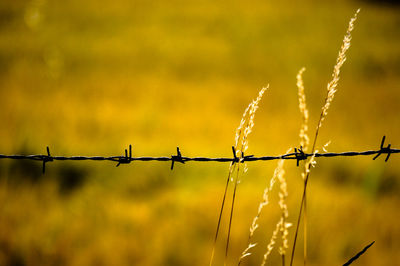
[92,77]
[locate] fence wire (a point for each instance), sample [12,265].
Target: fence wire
[297,155]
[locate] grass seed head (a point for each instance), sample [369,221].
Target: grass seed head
[331,88]
[304,139]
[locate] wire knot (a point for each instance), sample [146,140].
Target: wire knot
[125,159]
[176,158]
[300,155]
[46,158]
[383,149]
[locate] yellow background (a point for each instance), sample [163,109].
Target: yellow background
[92,77]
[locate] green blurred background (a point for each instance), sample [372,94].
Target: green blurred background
[91,77]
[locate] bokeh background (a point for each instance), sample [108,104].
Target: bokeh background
[91,77]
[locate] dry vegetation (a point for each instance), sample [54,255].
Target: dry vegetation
[90,79]
[241,146]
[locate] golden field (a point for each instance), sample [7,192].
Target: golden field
[91,77]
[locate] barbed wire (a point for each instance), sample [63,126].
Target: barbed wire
[297,155]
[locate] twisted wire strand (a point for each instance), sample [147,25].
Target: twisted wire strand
[298,155]
[288,156]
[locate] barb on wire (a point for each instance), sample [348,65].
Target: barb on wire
[247,157]
[384,150]
[176,158]
[46,158]
[297,155]
[235,158]
[127,159]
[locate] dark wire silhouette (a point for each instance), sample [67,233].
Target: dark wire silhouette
[297,155]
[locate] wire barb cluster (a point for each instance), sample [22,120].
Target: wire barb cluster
[297,155]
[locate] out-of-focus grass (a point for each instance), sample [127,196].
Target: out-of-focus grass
[90,78]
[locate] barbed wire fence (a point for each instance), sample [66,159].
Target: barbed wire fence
[297,155]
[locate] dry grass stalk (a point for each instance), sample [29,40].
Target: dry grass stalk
[272,242]
[282,226]
[304,139]
[263,203]
[336,70]
[241,145]
[231,169]
[331,90]
[254,224]
[246,126]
